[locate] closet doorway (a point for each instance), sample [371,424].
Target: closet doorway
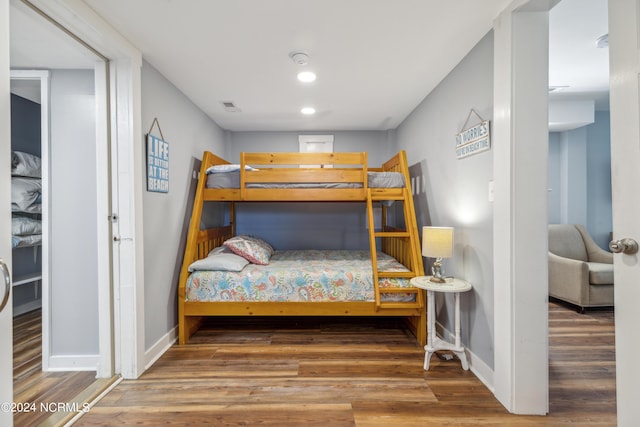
[59,286]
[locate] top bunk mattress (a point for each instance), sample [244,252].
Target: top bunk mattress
[300,276]
[231,179]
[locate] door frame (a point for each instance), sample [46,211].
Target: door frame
[520,152]
[105,365]
[126,151]
[6,315]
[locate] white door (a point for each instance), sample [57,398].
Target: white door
[6,335]
[624,40]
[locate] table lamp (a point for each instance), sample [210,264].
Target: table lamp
[437,242]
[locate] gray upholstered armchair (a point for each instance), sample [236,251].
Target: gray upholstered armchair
[580,272]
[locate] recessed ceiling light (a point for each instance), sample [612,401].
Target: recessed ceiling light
[307,76]
[308,111]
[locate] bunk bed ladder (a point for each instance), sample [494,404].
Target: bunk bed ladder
[404,245]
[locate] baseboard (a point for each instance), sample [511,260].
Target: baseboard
[481,370]
[73,363]
[160,347]
[476,365]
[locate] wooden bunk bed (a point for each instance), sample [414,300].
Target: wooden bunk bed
[283,177]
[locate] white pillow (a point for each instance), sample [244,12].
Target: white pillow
[220,250]
[219,261]
[228,168]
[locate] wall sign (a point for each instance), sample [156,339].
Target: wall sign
[473,140]
[157,164]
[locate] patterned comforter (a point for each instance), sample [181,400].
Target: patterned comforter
[300,276]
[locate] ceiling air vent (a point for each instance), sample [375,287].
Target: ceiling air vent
[230,107]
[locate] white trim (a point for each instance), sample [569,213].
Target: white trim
[160,347]
[80,362]
[482,371]
[103,231]
[520,130]
[129,182]
[476,364]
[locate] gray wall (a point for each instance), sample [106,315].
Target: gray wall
[166,215]
[74,289]
[454,192]
[579,178]
[375,143]
[308,225]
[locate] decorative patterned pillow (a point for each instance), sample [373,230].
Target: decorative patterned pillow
[261,242]
[253,249]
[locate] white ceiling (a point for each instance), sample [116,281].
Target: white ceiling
[574,59]
[38,44]
[376,60]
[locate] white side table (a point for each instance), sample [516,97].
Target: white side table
[433,342]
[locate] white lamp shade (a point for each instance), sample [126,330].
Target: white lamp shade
[437,242]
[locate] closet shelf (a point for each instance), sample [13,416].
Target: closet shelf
[27,278]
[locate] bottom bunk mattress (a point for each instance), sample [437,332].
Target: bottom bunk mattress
[300,276]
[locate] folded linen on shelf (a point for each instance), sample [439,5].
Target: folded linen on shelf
[25,192]
[25,164]
[24,225]
[26,241]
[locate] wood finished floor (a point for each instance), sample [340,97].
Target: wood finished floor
[30,384]
[333,372]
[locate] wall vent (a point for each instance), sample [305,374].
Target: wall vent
[230,107]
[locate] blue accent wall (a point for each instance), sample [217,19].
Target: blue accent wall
[579,177]
[25,125]
[308,225]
